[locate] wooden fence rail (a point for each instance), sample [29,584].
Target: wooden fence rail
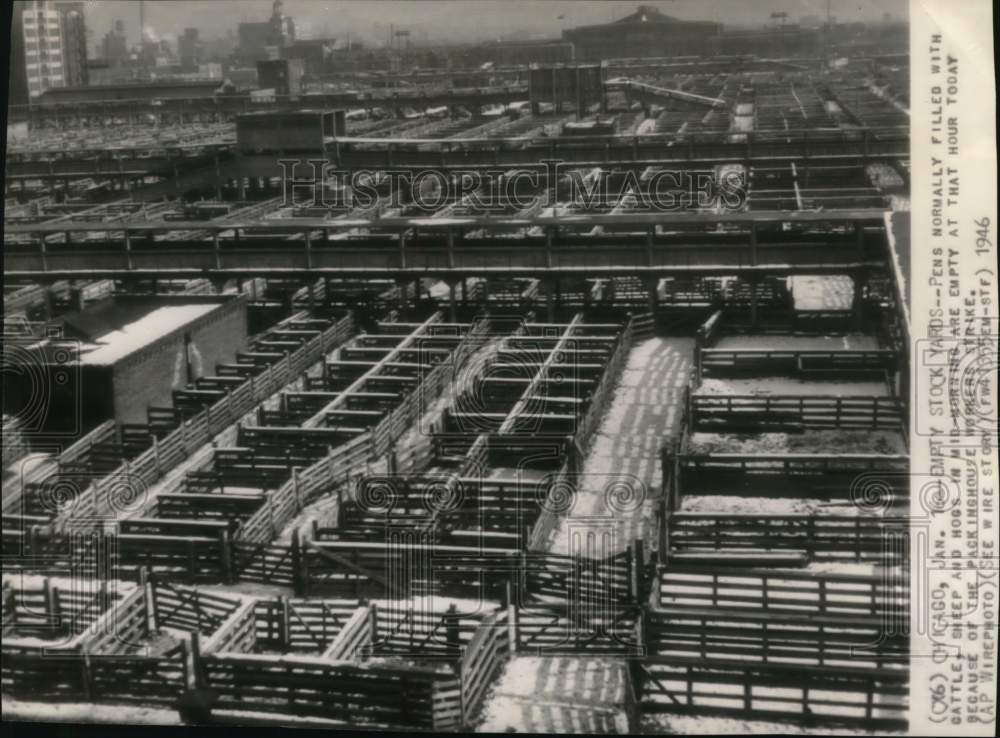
[782,413]
[684,588]
[482,662]
[548,520]
[807,694]
[396,696]
[817,475]
[839,537]
[857,642]
[746,362]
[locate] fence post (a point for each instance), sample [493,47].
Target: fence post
[196,674]
[185,657]
[88,674]
[298,572]
[156,455]
[512,629]
[286,624]
[54,608]
[154,618]
[226,556]
[270,514]
[453,634]
[295,488]
[638,570]
[699,344]
[663,532]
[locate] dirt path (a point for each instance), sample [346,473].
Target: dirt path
[625,449]
[567,694]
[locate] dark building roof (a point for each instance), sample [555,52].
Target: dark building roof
[132,91]
[645,16]
[646,32]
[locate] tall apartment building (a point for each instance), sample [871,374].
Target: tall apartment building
[55,45]
[17,77]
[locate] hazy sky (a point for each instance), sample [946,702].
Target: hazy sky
[452,20]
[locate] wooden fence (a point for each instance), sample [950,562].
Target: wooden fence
[15,488]
[305,486]
[482,662]
[355,637]
[133,678]
[580,579]
[825,476]
[788,592]
[579,443]
[543,629]
[300,625]
[57,610]
[377,696]
[706,335]
[789,413]
[832,537]
[323,676]
[109,496]
[190,608]
[805,364]
[91,648]
[858,642]
[215,554]
[873,699]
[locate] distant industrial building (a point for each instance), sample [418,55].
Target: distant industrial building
[646,32]
[510,53]
[187,90]
[316,54]
[284,76]
[300,131]
[785,40]
[579,85]
[277,32]
[189,50]
[114,45]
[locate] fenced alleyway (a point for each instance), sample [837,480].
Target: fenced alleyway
[582,694]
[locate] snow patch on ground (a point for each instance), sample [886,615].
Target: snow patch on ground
[706,725]
[822,293]
[791,386]
[813,442]
[557,695]
[760,342]
[725,504]
[70,712]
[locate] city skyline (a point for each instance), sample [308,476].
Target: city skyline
[437,22]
